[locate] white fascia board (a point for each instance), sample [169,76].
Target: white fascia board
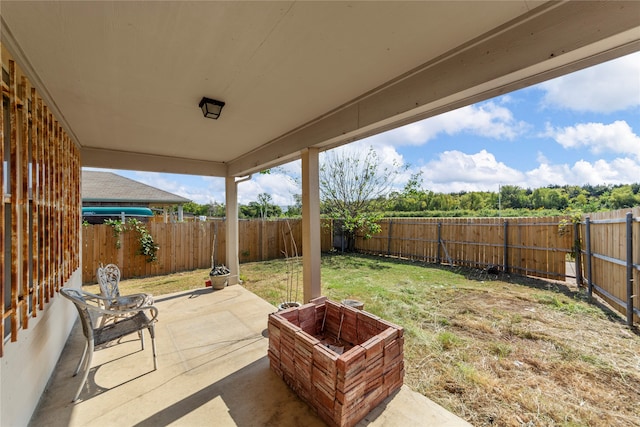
[125,160]
[553,40]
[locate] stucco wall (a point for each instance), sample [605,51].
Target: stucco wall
[28,363]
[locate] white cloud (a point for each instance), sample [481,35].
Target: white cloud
[617,171]
[279,185]
[488,120]
[617,137]
[546,174]
[293,168]
[604,88]
[199,189]
[387,154]
[457,171]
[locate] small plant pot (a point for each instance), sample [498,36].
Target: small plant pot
[219,281]
[288,304]
[353,303]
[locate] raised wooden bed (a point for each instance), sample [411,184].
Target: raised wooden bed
[342,388]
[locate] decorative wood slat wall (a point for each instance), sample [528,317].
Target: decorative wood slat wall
[35,144]
[40,205]
[23,206]
[13,190]
[2,203]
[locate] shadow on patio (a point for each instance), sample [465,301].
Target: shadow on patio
[212,370]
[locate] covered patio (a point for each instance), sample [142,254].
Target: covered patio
[114,84]
[213,365]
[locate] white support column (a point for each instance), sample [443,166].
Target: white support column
[232,239]
[180,213]
[311,224]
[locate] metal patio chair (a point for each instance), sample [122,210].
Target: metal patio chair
[109,280]
[127,321]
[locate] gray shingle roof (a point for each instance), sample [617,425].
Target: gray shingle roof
[111,187]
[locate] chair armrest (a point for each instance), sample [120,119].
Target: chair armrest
[153,310]
[95,303]
[144,299]
[99,301]
[131,300]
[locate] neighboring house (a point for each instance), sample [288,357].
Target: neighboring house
[105,189]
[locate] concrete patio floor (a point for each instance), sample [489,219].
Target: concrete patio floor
[213,369]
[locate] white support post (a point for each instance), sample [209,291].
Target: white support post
[311,224]
[232,237]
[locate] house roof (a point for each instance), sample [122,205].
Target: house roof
[125,78]
[111,187]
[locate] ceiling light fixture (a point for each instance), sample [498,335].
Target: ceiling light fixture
[211,108]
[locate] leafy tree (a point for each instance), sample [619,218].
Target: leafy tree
[623,197]
[216,209]
[412,197]
[258,210]
[296,208]
[597,190]
[513,196]
[212,208]
[549,198]
[194,208]
[349,186]
[442,202]
[264,200]
[473,201]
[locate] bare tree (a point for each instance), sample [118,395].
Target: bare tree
[351,184]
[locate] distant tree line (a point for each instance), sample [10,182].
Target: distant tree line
[511,200]
[262,208]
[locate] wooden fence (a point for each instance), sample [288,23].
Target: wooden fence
[528,246]
[189,245]
[610,253]
[608,263]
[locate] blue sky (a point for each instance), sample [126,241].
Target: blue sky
[582,128]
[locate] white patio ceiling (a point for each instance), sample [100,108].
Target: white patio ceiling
[126,77]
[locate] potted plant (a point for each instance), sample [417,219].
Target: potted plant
[219,274]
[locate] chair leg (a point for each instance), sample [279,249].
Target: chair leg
[84,353]
[86,370]
[141,335]
[153,347]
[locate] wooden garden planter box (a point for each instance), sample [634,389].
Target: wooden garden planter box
[342,388]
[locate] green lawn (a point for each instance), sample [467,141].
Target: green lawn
[508,351]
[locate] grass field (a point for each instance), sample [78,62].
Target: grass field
[496,350]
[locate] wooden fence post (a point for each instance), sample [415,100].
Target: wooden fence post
[438,257]
[505,262]
[630,295]
[578,253]
[390,234]
[588,253]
